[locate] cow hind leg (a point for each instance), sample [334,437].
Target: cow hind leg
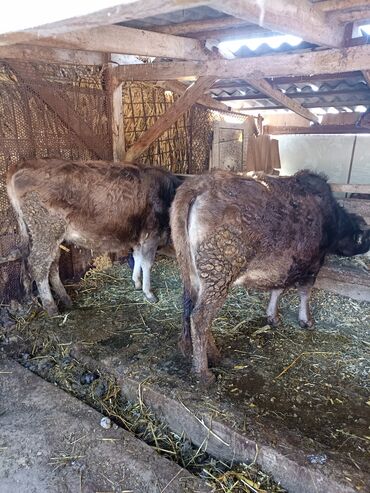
[148,251]
[204,347]
[304,317]
[185,344]
[39,263]
[272,309]
[57,284]
[136,269]
[46,233]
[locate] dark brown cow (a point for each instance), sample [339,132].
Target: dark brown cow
[96,205]
[265,233]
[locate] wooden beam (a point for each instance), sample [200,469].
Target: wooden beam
[201,25]
[179,107]
[321,104]
[280,97]
[219,28]
[330,5]
[204,100]
[291,80]
[67,114]
[238,32]
[28,53]
[318,62]
[315,129]
[128,10]
[116,113]
[350,188]
[125,40]
[345,281]
[347,17]
[358,206]
[118,129]
[51,55]
[298,17]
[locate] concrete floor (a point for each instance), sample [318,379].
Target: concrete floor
[51,442]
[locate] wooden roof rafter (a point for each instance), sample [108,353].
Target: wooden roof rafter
[125,40]
[297,17]
[204,100]
[92,35]
[126,11]
[329,61]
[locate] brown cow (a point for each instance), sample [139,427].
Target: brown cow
[96,205]
[267,233]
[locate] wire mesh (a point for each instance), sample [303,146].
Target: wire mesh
[37,103]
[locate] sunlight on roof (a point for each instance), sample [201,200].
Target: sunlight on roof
[254,43]
[19,14]
[332,110]
[365,28]
[361,108]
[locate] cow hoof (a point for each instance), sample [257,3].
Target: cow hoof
[206,378]
[137,285]
[67,302]
[306,324]
[51,310]
[272,321]
[151,298]
[214,357]
[185,346]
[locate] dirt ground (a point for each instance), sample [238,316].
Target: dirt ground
[315,384]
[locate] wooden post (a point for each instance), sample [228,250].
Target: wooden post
[114,90]
[118,135]
[179,107]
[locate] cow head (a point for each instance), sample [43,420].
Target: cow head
[353,238]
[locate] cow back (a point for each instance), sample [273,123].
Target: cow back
[99,198]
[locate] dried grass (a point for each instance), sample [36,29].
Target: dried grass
[107,289]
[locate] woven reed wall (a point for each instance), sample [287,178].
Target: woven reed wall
[49,110]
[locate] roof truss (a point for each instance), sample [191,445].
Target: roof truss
[92,39]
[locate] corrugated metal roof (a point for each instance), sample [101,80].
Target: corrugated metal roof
[184,15]
[341,93]
[265,49]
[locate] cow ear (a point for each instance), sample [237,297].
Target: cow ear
[312,183]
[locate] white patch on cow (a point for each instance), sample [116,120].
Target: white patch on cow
[195,238]
[136,274]
[74,236]
[251,275]
[144,256]
[146,266]
[304,315]
[272,309]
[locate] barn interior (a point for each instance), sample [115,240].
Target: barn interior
[192,86]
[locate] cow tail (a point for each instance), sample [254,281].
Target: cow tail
[23,233]
[14,200]
[180,213]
